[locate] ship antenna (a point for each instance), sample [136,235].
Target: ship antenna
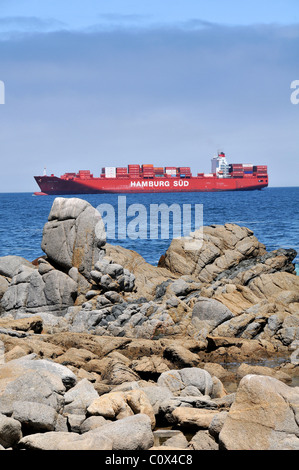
[45,171]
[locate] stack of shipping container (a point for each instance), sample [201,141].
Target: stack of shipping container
[159,171]
[121,172]
[261,170]
[69,176]
[248,170]
[84,174]
[109,171]
[170,171]
[184,172]
[148,171]
[236,170]
[134,171]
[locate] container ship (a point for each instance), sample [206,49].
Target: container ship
[150,179]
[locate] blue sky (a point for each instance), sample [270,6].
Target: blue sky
[96,83]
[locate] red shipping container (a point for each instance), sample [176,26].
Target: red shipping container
[133,168]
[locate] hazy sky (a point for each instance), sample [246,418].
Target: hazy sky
[101,83]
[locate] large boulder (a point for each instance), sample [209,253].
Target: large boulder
[202,440]
[264,416]
[34,380]
[79,398]
[186,417]
[36,290]
[223,247]
[30,386]
[63,374]
[34,417]
[117,405]
[30,324]
[229,255]
[65,441]
[9,265]
[208,313]
[157,395]
[176,441]
[10,431]
[247,369]
[180,356]
[116,372]
[73,235]
[131,433]
[241,290]
[266,309]
[178,381]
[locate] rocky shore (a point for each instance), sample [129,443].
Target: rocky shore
[198,353]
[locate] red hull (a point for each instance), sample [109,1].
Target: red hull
[76,185]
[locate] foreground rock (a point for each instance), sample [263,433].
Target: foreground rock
[87,392]
[182,380]
[112,436]
[65,441]
[10,432]
[264,416]
[118,405]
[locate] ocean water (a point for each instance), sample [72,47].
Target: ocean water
[272,214]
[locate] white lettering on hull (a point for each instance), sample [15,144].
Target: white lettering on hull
[160,184]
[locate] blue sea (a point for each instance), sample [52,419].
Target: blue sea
[272,214]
